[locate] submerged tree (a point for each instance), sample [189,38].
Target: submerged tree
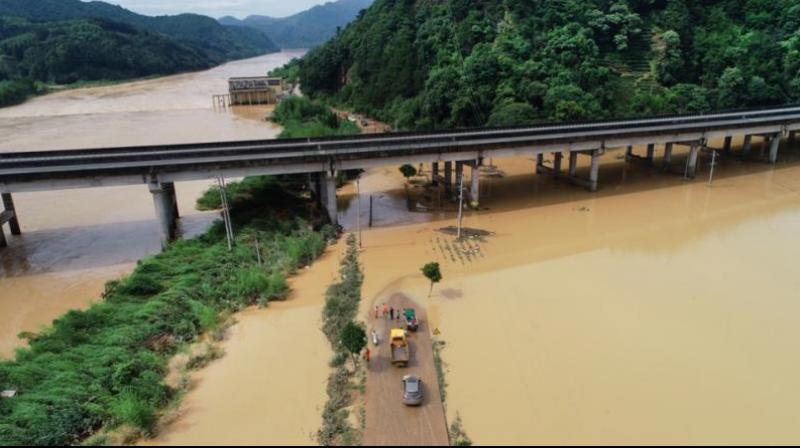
[408,171]
[432,272]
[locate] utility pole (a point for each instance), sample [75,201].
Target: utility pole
[713,165]
[370,211]
[460,204]
[358,209]
[226,213]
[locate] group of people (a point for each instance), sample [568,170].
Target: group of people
[387,312]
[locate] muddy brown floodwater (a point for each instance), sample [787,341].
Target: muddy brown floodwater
[656,310]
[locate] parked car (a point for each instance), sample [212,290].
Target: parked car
[412,390]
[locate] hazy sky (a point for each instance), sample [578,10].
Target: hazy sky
[218,8]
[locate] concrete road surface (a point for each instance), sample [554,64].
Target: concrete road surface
[388,420]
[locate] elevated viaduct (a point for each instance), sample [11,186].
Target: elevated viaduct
[159,167]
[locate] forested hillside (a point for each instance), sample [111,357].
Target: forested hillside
[306,29]
[68,41]
[449,63]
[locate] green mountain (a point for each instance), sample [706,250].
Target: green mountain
[68,41]
[218,42]
[306,29]
[453,63]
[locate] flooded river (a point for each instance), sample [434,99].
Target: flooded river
[653,310]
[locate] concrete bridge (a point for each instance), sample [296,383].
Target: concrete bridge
[159,167]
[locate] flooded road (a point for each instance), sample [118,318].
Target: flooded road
[74,241]
[654,310]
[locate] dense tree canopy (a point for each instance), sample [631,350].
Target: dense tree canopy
[453,63]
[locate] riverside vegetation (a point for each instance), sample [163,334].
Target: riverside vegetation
[104,367]
[341,308]
[99,372]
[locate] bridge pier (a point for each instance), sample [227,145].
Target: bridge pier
[448,177]
[475,187]
[792,137]
[328,196]
[629,153]
[726,148]
[557,159]
[691,163]
[774,146]
[573,164]
[540,168]
[166,210]
[13,222]
[594,171]
[665,163]
[748,145]
[435,174]
[651,154]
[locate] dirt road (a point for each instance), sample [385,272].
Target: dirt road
[389,422]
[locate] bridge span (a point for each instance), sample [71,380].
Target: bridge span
[159,167]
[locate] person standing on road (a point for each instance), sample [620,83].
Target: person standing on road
[376,311]
[385,310]
[391,313]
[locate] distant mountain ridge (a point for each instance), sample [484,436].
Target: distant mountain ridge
[306,29]
[45,42]
[219,42]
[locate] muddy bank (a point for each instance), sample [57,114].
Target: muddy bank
[656,309]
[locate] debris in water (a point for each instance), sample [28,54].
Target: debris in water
[8,394]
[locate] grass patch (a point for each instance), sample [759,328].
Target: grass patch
[341,307]
[105,367]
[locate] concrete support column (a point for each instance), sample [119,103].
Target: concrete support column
[169,187]
[329,187]
[651,153]
[314,187]
[792,136]
[691,164]
[557,158]
[748,145]
[13,223]
[573,164]
[448,176]
[774,145]
[475,187]
[540,164]
[727,146]
[163,201]
[628,153]
[435,173]
[3,242]
[594,172]
[459,173]
[667,156]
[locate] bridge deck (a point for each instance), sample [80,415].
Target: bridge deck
[38,170]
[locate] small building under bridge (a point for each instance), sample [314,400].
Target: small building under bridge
[255,90]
